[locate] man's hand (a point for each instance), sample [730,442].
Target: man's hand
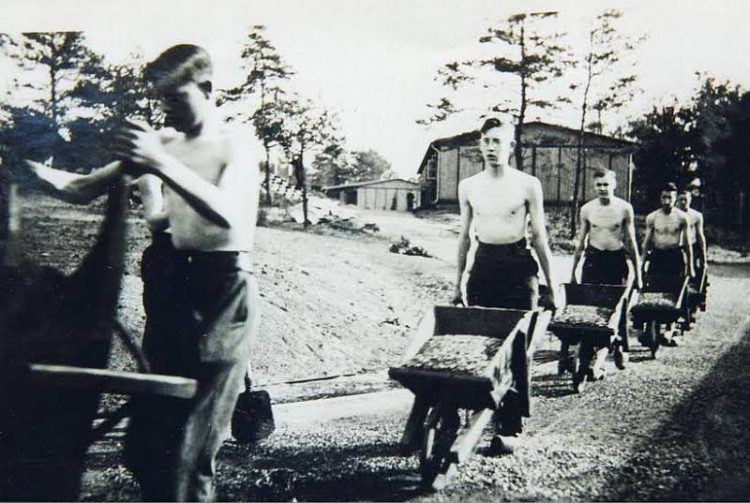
[457,299]
[58,179]
[549,298]
[638,281]
[139,143]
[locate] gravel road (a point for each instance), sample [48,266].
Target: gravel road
[671,429]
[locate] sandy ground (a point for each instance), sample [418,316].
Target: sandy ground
[340,304]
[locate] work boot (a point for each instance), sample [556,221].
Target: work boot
[579,381]
[621,358]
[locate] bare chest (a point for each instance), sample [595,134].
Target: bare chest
[667,224]
[497,200]
[606,218]
[207,159]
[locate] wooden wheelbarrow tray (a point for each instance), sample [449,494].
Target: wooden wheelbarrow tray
[594,317]
[662,301]
[612,301]
[441,387]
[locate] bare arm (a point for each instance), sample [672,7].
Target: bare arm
[540,241]
[647,238]
[631,245]
[152,198]
[463,236]
[583,234]
[686,244]
[701,240]
[143,146]
[73,187]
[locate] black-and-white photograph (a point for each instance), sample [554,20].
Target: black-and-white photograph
[374,250]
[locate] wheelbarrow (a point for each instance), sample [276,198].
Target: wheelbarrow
[474,357]
[595,317]
[697,292]
[56,333]
[661,303]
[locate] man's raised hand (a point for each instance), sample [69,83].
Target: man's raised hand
[139,143]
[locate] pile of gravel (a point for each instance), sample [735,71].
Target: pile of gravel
[578,316]
[458,354]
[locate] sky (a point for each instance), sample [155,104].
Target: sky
[373,62]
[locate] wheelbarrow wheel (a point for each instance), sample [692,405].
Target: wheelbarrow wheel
[440,431]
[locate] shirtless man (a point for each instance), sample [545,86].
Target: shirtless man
[667,238]
[667,243]
[199,186]
[497,206]
[607,241]
[697,236]
[201,300]
[697,293]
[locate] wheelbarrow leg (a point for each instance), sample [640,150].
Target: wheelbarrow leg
[414,429]
[440,432]
[653,334]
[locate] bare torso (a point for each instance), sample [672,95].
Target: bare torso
[667,228]
[606,223]
[498,206]
[694,218]
[208,156]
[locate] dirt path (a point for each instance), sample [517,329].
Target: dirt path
[675,428]
[671,429]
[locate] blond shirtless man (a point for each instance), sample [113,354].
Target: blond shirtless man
[607,242]
[497,206]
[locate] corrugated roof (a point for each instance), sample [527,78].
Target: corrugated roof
[473,136]
[370,182]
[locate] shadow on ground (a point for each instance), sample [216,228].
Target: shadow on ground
[365,472]
[702,452]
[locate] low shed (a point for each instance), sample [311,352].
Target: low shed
[395,194]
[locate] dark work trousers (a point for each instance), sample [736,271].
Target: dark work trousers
[607,267]
[505,276]
[604,267]
[201,309]
[670,262]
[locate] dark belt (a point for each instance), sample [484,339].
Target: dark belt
[517,248]
[217,260]
[676,249]
[590,250]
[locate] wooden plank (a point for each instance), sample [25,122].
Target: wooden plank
[465,444]
[112,381]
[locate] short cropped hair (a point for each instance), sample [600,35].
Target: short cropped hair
[495,122]
[669,187]
[602,173]
[179,64]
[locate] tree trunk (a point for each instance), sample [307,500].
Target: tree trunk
[10,222]
[269,199]
[518,149]
[305,221]
[579,148]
